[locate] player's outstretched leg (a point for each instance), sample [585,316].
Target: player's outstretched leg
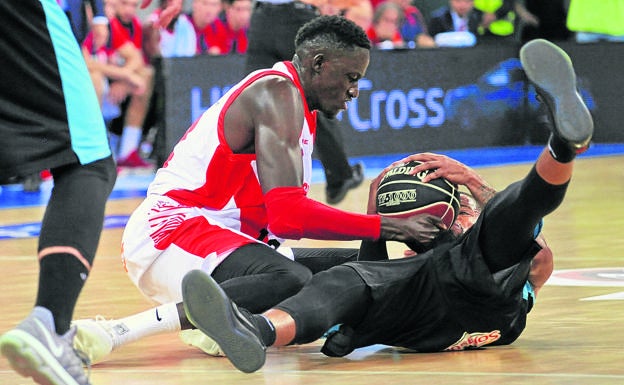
[211,311]
[550,70]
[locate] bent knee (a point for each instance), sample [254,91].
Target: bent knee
[296,278]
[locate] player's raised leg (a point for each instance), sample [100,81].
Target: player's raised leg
[551,71]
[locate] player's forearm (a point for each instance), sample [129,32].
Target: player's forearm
[292,215]
[480,189]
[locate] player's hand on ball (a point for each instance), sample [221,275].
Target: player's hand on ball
[443,166]
[422,228]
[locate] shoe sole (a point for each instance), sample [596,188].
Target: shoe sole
[550,70]
[30,358]
[210,310]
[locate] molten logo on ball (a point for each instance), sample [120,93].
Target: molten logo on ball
[402,195]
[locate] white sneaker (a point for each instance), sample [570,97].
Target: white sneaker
[195,337]
[97,337]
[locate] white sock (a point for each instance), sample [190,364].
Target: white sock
[158,320]
[129,142]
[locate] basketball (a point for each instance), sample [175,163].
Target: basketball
[401,195]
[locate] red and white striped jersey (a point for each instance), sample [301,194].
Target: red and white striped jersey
[202,171]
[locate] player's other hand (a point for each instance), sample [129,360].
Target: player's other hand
[442,167]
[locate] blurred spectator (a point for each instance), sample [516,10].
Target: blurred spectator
[384,33]
[125,21]
[455,24]
[134,105]
[230,33]
[361,14]
[414,28]
[542,19]
[81,14]
[594,21]
[497,20]
[204,13]
[178,39]
[111,59]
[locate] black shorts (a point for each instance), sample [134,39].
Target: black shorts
[49,112]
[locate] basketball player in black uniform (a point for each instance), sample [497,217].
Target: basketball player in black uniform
[457,292]
[50,119]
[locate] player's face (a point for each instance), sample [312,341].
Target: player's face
[336,81]
[468,214]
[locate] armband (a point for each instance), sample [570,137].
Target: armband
[291,214]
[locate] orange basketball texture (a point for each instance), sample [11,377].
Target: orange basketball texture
[402,195]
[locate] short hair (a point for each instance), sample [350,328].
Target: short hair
[381,9]
[333,32]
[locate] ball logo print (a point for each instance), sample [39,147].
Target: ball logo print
[402,195]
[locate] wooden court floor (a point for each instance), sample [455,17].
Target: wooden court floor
[575,334]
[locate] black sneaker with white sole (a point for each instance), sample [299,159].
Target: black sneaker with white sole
[208,308]
[551,71]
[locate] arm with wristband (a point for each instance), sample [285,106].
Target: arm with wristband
[293,215]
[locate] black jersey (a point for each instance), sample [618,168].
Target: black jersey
[444,299]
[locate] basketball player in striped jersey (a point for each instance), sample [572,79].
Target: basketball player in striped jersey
[236,185]
[458,292]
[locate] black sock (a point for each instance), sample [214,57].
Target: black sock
[61,279]
[561,150]
[262,324]
[266,329]
[184,321]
